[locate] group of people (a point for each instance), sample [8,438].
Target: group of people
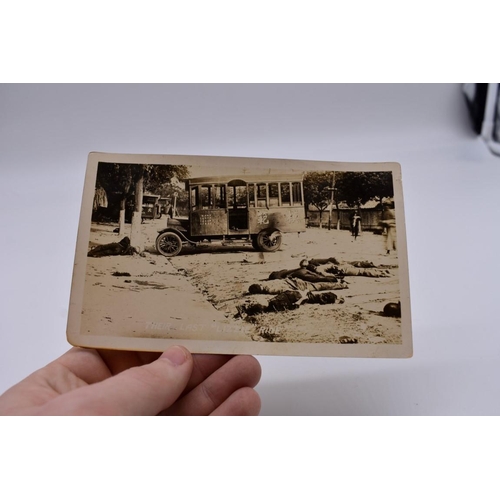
[387,223]
[312,282]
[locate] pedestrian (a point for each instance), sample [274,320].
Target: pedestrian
[389,222]
[355,224]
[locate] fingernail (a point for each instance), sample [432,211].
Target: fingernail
[176,355]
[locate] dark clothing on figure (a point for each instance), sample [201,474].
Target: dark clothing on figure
[290,300]
[355,225]
[303,274]
[284,301]
[392,309]
[121,248]
[321,262]
[279,286]
[321,298]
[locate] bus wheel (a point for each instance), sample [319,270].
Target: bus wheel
[267,244]
[169,244]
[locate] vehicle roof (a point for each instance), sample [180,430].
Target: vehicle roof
[225,179]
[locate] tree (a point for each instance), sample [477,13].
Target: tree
[117,181]
[135,231]
[379,185]
[356,188]
[124,179]
[175,190]
[351,188]
[338,178]
[157,176]
[317,191]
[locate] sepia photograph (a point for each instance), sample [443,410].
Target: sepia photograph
[241,255]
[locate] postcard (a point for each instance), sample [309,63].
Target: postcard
[241,256]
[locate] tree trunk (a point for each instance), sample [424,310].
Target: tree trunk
[321,219]
[136,241]
[122,217]
[338,216]
[174,209]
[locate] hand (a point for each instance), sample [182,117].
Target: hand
[101,382]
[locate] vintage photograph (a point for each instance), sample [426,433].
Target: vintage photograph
[241,255]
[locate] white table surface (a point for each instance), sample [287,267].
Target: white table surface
[451,188]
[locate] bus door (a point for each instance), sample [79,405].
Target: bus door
[208,215]
[237,207]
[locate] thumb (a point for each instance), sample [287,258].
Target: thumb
[142,390]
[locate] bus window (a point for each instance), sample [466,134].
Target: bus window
[251,195]
[273,195]
[194,198]
[241,196]
[205,198]
[261,195]
[296,194]
[219,196]
[231,196]
[237,197]
[285,193]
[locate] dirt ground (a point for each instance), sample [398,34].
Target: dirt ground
[196,294]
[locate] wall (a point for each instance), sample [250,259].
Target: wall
[48,130]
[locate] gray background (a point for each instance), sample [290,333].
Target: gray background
[451,185]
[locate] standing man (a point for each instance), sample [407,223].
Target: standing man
[389,222]
[355,223]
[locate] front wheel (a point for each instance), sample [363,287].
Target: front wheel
[266,243]
[169,244]
[254,243]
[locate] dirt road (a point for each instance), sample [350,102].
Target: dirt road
[203,288]
[155,299]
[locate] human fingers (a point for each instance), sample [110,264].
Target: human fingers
[86,364]
[91,365]
[73,370]
[238,372]
[141,390]
[243,402]
[119,361]
[203,366]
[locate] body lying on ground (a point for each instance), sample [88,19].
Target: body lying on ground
[354,268]
[121,248]
[392,309]
[305,274]
[289,300]
[329,270]
[349,270]
[278,286]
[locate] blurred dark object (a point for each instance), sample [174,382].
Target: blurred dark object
[483,101]
[475,97]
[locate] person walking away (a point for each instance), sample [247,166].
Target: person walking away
[389,222]
[355,224]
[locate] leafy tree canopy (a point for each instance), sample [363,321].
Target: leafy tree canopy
[358,187]
[316,189]
[352,188]
[122,177]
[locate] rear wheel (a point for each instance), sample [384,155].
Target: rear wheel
[266,243]
[169,244]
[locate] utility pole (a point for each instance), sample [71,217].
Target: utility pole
[332,191]
[135,234]
[174,209]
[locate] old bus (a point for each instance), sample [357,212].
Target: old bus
[248,209]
